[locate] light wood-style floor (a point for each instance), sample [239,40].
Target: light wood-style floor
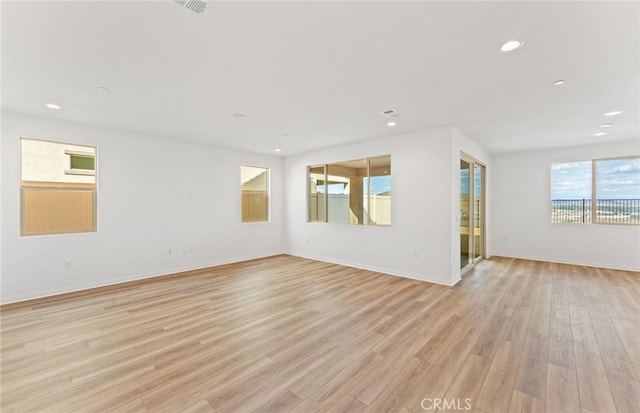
[287,334]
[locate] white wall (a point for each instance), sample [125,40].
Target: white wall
[521,212]
[418,242]
[154,194]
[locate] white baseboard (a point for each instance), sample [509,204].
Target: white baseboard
[496,254]
[418,277]
[138,277]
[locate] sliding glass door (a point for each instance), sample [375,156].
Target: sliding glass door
[471,211]
[465,210]
[478,212]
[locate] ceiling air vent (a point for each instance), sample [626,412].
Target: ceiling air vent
[390,113]
[196,6]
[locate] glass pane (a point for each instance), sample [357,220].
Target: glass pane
[464,212]
[83,162]
[618,191]
[55,210]
[356,192]
[379,187]
[255,193]
[571,192]
[54,201]
[317,194]
[477,211]
[344,189]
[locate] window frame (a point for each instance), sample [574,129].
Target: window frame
[61,185]
[366,218]
[78,171]
[268,204]
[594,194]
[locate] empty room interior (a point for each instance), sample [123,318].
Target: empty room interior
[320,206]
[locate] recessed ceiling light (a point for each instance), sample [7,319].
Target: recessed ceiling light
[53,106]
[511,45]
[558,82]
[606,125]
[391,124]
[103,89]
[613,113]
[278,150]
[600,134]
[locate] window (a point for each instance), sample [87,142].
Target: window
[356,192]
[255,194]
[602,191]
[54,198]
[81,163]
[617,186]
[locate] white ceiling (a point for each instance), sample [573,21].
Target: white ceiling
[314,74]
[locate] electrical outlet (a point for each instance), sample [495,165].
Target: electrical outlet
[169,251]
[67,264]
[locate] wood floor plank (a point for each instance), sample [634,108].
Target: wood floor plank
[581,324]
[317,377]
[496,392]
[433,380]
[287,334]
[541,311]
[392,397]
[561,342]
[595,393]
[369,386]
[532,371]
[629,333]
[562,390]
[347,404]
[626,393]
[614,355]
[525,403]
[339,386]
[518,325]
[468,382]
[281,403]
[137,406]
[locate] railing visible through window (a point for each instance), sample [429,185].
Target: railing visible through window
[612,211]
[601,191]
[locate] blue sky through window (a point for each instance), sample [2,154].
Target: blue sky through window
[571,180]
[615,179]
[618,179]
[379,184]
